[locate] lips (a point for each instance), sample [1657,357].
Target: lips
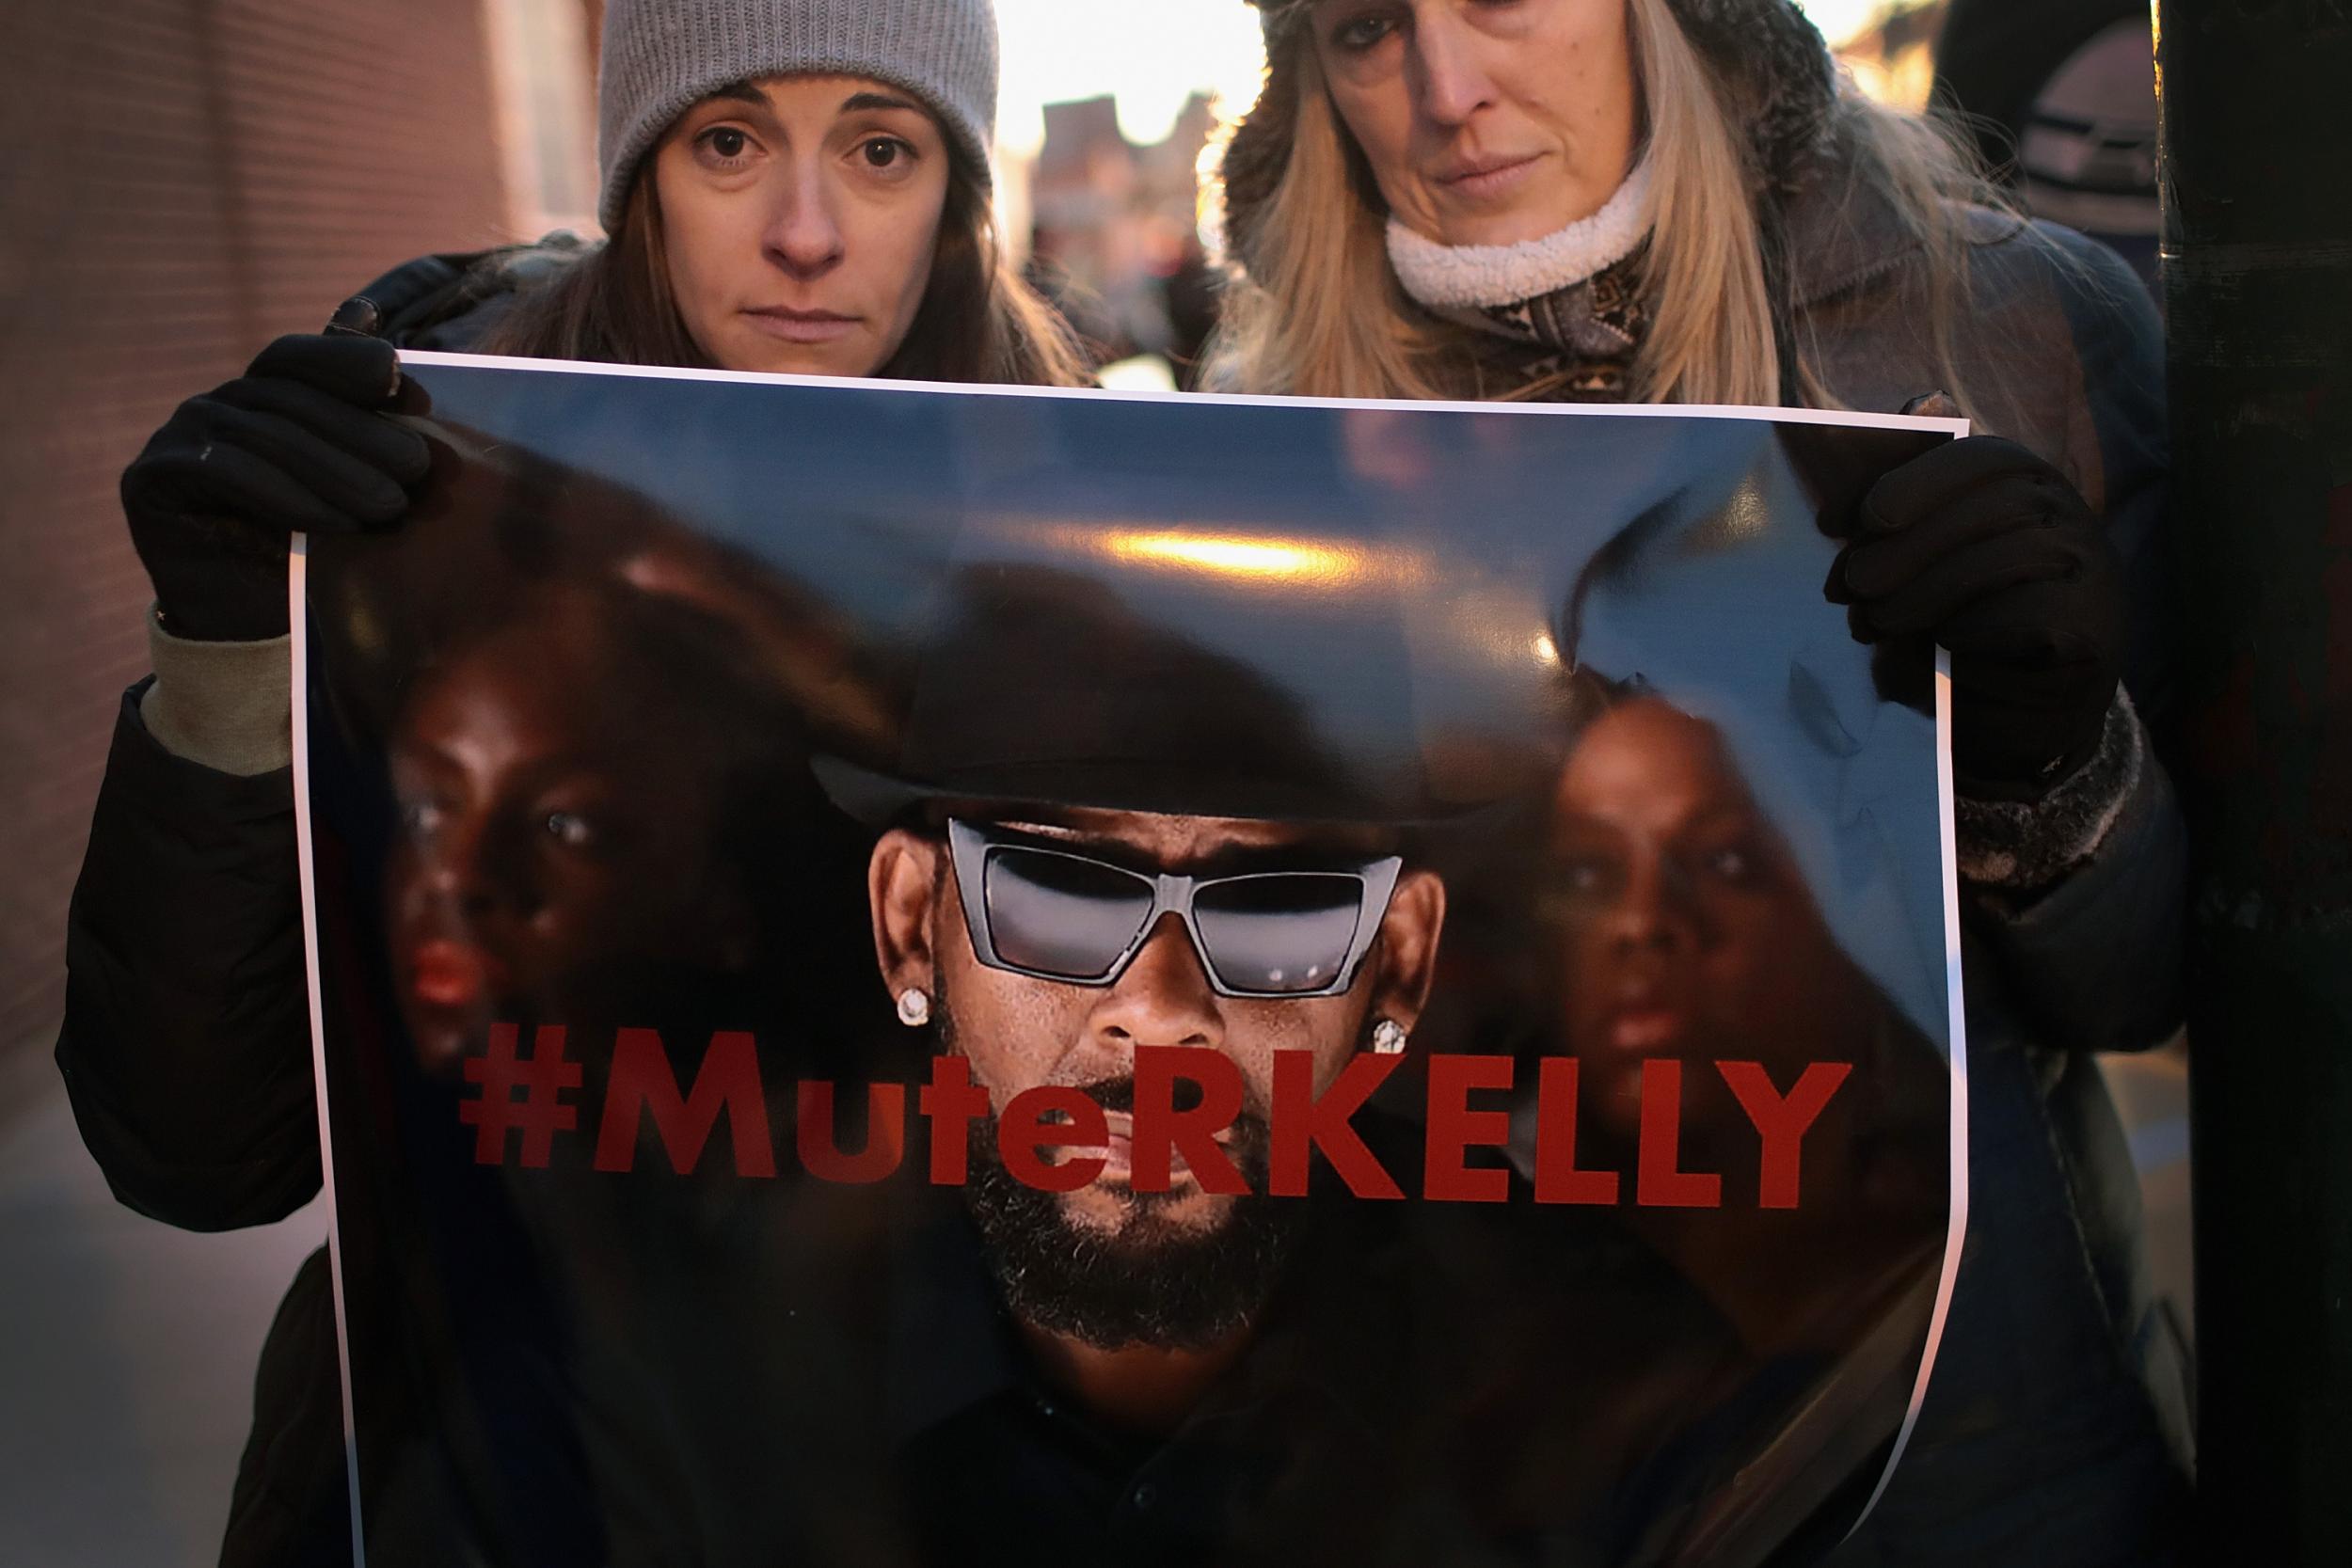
[446,973]
[1471,168]
[1484,177]
[1644,1018]
[1117,1151]
[1645,1031]
[801,327]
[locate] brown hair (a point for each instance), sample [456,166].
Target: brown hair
[978,320]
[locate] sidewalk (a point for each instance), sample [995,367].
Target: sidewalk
[127,1351]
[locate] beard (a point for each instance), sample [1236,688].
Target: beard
[1150,1282]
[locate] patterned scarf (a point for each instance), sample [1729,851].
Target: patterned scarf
[1565,311]
[1583,336]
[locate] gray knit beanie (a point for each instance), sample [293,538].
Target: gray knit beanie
[660,57]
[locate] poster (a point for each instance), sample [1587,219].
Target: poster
[918,975]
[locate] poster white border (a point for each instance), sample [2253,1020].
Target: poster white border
[1957,1221]
[297,561]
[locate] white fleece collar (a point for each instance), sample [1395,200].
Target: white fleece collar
[1482,276]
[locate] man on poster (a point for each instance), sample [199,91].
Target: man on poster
[1216,1345]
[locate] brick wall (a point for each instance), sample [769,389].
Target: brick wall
[182,179]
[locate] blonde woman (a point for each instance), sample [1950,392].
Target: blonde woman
[1677,201]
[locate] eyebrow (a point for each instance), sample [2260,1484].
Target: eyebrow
[878,100]
[746,92]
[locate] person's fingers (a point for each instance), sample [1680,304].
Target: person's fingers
[1948,476]
[2002,563]
[222,477]
[1990,568]
[355,317]
[1838,464]
[363,371]
[1883,566]
[411,399]
[1835,588]
[358,490]
[386,448]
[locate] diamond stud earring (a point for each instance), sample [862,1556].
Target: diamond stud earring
[1388,1038]
[914,1008]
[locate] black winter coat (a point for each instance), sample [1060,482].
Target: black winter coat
[186,1044]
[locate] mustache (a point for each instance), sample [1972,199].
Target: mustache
[1249,1142]
[1118,1094]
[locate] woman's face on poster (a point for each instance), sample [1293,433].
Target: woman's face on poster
[556,838]
[800,215]
[1686,929]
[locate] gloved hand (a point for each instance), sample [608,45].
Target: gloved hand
[295,443]
[1984,549]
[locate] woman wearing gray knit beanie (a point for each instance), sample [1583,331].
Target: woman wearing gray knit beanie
[798,187]
[789,185]
[1682,201]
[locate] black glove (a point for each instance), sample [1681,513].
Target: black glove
[294,444]
[1982,547]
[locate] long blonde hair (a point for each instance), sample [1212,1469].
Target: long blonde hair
[1314,309]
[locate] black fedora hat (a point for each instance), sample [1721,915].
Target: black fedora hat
[1046,686]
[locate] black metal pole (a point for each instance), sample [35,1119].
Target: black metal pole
[2256,104]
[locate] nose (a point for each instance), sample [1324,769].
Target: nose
[802,236]
[471,866]
[1654,911]
[1164,998]
[1447,69]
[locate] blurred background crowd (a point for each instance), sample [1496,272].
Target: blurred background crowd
[185,178]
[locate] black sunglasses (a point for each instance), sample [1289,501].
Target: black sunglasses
[1037,906]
